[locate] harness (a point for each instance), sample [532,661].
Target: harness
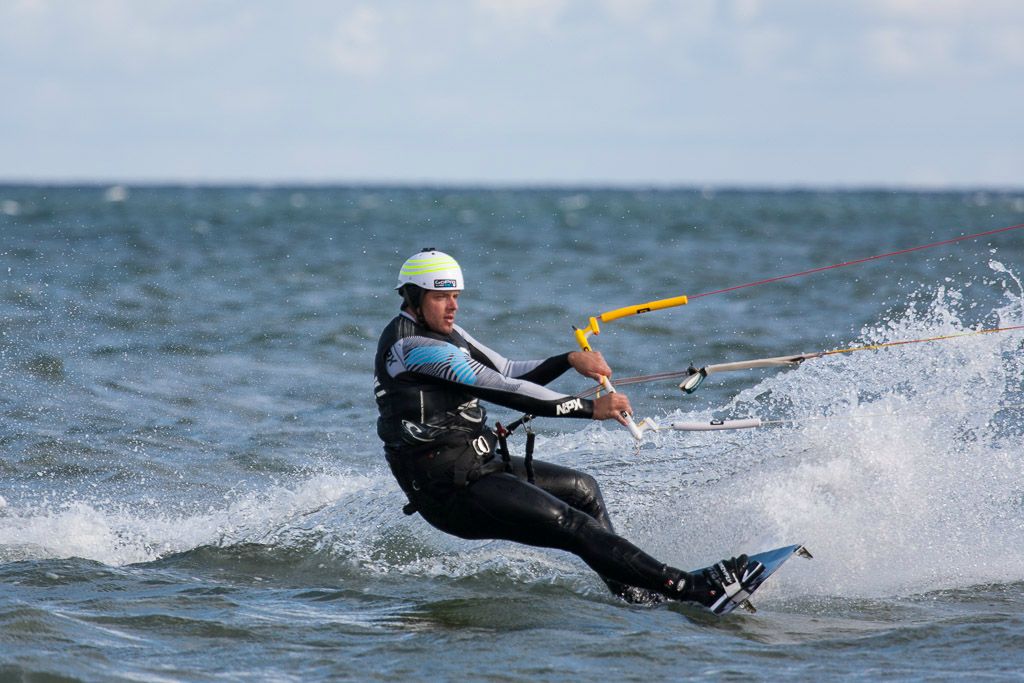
[467,460]
[505,432]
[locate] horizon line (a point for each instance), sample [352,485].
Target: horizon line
[540,185]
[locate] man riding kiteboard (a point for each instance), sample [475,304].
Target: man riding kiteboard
[430,375]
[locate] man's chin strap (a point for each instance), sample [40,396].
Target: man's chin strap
[411,302]
[416,313]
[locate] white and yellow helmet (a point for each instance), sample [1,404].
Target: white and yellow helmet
[431,269]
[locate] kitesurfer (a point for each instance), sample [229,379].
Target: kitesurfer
[430,375]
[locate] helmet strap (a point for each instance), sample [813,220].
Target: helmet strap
[412,297]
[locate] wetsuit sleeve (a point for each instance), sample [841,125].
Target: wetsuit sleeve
[444,363]
[535,371]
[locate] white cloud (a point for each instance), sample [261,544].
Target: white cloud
[987,44]
[627,10]
[1007,45]
[30,6]
[115,34]
[540,14]
[763,49]
[901,52]
[357,46]
[746,11]
[950,11]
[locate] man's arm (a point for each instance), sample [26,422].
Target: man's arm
[535,371]
[444,363]
[590,364]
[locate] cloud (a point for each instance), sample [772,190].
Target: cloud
[539,14]
[764,49]
[943,39]
[949,11]
[901,52]
[29,7]
[357,45]
[118,35]
[746,10]
[1007,45]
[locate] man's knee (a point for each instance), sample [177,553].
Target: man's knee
[588,485]
[588,495]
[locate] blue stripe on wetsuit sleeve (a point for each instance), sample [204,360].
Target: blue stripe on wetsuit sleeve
[447,356]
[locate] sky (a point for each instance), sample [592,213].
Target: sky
[778,93]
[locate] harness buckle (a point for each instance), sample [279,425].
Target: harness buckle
[481,445]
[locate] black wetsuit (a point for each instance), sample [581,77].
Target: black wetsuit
[443,454]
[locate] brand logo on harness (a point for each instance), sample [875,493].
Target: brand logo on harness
[445,284]
[568,406]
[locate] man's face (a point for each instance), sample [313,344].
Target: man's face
[439,308]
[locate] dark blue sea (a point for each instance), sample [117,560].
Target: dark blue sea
[191,487]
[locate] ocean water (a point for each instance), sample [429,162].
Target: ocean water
[191,488]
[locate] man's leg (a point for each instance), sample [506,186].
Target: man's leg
[582,492]
[505,507]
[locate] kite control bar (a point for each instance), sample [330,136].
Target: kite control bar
[625,311]
[637,430]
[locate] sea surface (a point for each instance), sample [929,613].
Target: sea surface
[191,487]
